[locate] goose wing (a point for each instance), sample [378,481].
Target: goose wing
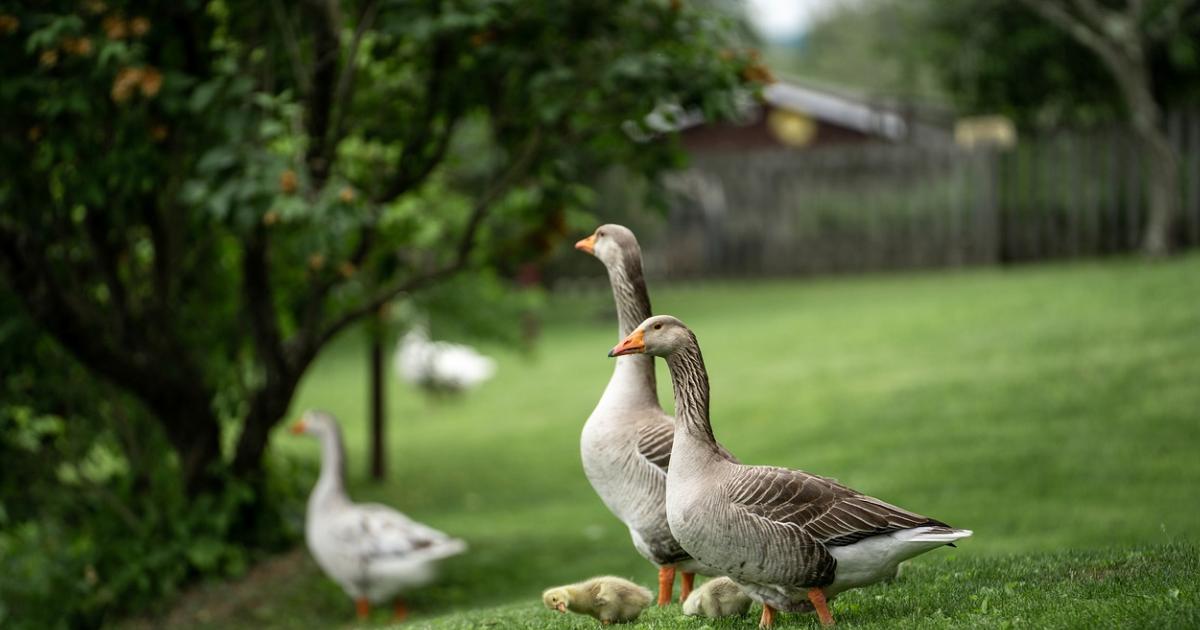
[654,444]
[377,532]
[826,511]
[655,441]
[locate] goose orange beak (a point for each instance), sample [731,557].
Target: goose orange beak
[633,344]
[561,607]
[297,428]
[587,245]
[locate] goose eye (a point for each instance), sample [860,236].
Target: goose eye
[658,327]
[599,234]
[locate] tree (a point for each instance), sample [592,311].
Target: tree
[1121,38]
[1078,61]
[201,195]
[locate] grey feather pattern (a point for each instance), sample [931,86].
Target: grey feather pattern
[829,512]
[654,444]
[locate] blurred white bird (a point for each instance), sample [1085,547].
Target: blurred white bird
[372,551]
[439,366]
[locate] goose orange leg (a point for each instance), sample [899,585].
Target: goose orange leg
[686,581]
[399,610]
[768,617]
[362,607]
[817,597]
[666,584]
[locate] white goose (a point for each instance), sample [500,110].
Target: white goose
[440,366]
[790,539]
[626,442]
[372,551]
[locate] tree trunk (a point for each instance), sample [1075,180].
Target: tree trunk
[376,368]
[1162,192]
[267,407]
[194,433]
[1158,157]
[1120,41]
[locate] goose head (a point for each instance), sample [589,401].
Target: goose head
[557,599]
[660,336]
[316,423]
[611,243]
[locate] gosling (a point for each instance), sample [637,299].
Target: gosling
[609,599]
[718,597]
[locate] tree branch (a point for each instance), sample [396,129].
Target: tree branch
[260,304]
[1093,14]
[292,44]
[1093,37]
[1133,10]
[466,243]
[27,269]
[96,229]
[1167,21]
[1059,16]
[422,150]
[410,172]
[346,78]
[326,46]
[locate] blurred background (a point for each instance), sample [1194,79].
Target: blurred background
[941,251]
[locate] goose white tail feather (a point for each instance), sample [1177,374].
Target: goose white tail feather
[938,534]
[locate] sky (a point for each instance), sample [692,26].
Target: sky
[785,19]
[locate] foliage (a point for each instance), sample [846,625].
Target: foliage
[200,195]
[1050,408]
[91,517]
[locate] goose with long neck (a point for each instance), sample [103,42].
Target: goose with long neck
[372,551]
[792,540]
[626,442]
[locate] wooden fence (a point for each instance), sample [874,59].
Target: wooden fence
[869,207]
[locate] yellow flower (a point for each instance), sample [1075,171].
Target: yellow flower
[115,27]
[139,26]
[151,81]
[9,24]
[288,181]
[127,80]
[81,46]
[48,58]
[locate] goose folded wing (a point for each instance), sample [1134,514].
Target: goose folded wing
[373,532]
[829,512]
[655,442]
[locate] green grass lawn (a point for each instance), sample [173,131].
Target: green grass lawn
[1054,410]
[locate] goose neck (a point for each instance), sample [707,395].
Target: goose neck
[690,382]
[331,484]
[629,293]
[633,308]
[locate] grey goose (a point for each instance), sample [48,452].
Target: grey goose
[790,539]
[626,442]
